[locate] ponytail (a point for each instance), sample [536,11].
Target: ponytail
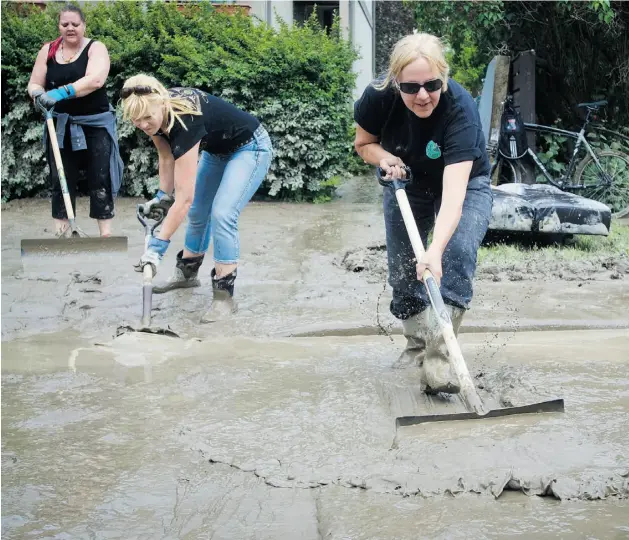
[54,47]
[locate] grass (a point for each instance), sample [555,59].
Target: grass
[616,244]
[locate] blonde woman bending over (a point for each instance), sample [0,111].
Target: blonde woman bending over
[417,116]
[214,157]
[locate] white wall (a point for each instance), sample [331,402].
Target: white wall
[268,10]
[362,20]
[258,8]
[283,9]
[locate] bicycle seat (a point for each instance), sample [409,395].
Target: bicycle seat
[593,104]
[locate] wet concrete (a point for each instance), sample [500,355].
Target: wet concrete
[238,430]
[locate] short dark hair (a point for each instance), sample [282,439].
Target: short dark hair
[73,8]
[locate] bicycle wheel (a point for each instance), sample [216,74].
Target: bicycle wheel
[596,186]
[508,174]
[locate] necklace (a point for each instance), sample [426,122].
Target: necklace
[63,53]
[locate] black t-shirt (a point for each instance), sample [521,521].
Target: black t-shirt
[221,127]
[451,134]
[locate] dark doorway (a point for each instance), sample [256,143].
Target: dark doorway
[325,12]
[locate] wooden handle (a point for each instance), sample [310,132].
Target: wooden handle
[468,390]
[52,135]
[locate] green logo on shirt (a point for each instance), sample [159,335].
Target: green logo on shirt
[432,150]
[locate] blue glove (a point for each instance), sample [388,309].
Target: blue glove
[50,98]
[153,254]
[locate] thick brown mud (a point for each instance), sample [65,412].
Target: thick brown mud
[238,430]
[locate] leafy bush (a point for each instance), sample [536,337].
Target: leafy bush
[298,81]
[471,30]
[565,74]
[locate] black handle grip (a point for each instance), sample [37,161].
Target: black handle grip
[46,112]
[143,218]
[397,183]
[139,212]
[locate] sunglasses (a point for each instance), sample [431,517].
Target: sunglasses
[414,88]
[139,90]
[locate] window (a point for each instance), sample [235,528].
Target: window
[325,12]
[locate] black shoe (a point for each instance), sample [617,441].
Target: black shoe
[223,303]
[184,276]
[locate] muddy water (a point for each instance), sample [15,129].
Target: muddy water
[288,282]
[239,431]
[148,435]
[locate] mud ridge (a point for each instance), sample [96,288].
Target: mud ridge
[591,486]
[371,261]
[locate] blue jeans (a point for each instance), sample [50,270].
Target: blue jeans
[459,258]
[225,183]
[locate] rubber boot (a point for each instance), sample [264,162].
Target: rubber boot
[436,372]
[184,276]
[223,303]
[413,354]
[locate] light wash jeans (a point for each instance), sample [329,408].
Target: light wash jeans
[225,183]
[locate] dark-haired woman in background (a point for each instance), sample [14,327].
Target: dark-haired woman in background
[69,74]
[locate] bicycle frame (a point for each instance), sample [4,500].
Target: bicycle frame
[562,182]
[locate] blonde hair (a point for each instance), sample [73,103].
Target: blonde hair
[136,106]
[410,48]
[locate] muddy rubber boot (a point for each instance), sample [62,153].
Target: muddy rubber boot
[184,276]
[413,353]
[436,372]
[223,303]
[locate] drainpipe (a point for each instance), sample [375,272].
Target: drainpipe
[352,6]
[269,12]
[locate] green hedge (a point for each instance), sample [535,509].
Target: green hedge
[298,81]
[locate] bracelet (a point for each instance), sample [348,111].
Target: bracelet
[69,89]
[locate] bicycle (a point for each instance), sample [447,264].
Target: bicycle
[602,175]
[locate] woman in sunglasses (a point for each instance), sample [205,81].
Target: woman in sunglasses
[214,156]
[417,117]
[69,75]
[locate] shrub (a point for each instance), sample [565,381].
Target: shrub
[298,81]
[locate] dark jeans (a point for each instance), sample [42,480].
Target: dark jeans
[95,160]
[459,259]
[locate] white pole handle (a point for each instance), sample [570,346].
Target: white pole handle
[468,390]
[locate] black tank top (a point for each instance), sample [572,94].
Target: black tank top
[60,74]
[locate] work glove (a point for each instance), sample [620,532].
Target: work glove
[36,94]
[153,254]
[157,208]
[50,98]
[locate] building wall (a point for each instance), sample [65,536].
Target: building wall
[357,20]
[268,10]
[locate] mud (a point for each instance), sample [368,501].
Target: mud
[238,430]
[371,261]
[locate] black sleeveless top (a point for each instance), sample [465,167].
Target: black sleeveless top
[59,74]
